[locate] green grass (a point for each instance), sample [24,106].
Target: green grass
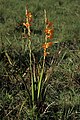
[64,58]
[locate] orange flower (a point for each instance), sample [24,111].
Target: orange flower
[26,25]
[49,31]
[46,45]
[49,24]
[49,36]
[29,15]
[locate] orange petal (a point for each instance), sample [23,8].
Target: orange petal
[49,44]
[46,45]
[49,36]
[30,19]
[49,24]
[49,31]
[28,14]
[26,24]
[46,30]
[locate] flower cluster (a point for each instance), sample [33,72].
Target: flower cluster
[29,15]
[45,46]
[49,35]
[28,19]
[49,29]
[27,23]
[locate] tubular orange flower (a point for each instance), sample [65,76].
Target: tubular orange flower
[49,24]
[49,31]
[29,15]
[46,45]
[26,25]
[49,36]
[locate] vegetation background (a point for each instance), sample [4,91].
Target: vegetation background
[64,58]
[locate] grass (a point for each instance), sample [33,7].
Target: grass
[62,64]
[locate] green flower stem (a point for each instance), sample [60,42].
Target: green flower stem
[41,77]
[30,55]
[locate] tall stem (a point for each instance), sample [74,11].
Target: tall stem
[30,55]
[41,76]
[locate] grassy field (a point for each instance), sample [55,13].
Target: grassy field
[62,64]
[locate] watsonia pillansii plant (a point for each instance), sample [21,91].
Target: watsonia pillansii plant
[37,89]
